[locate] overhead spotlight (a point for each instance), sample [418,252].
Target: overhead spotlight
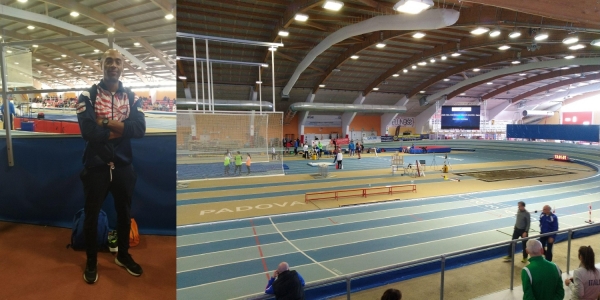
[569,56]
[110,29]
[37,59]
[301,17]
[136,44]
[169,16]
[333,5]
[258,82]
[283,33]
[264,65]
[571,39]
[577,47]
[273,49]
[418,35]
[522,74]
[564,68]
[480,30]
[462,94]
[380,45]
[396,75]
[96,50]
[514,34]
[515,62]
[540,36]
[182,77]
[423,92]
[30,27]
[496,32]
[413,6]
[63,55]
[444,57]
[354,56]
[414,67]
[432,60]
[422,63]
[34,46]
[74,14]
[504,47]
[489,83]
[476,70]
[405,70]
[376,89]
[446,79]
[455,54]
[595,42]
[321,85]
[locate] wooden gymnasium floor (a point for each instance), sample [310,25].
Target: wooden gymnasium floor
[270,222]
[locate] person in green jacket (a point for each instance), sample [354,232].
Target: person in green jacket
[226,164]
[320,149]
[541,278]
[238,163]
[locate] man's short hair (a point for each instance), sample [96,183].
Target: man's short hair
[534,247]
[283,266]
[522,203]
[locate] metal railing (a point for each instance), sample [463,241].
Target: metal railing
[442,259]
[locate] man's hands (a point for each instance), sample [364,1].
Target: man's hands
[568,281]
[524,235]
[550,240]
[115,127]
[275,274]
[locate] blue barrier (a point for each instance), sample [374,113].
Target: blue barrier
[44,187]
[588,133]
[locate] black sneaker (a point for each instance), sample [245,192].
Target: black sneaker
[90,275]
[131,266]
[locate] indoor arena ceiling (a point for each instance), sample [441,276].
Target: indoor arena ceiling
[407,65]
[76,63]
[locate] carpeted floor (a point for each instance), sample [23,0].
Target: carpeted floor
[35,264]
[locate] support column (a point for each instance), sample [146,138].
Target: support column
[347,117]
[302,118]
[386,119]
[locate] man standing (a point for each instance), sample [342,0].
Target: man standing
[548,223]
[541,278]
[238,163]
[109,117]
[8,117]
[286,284]
[521,230]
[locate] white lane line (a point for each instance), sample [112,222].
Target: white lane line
[313,260]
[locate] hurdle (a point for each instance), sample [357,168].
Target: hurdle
[360,192]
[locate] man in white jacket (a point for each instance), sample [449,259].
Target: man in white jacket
[339,160]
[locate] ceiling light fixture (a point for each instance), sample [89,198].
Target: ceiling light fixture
[418,35]
[272,48]
[490,83]
[515,62]
[514,34]
[74,14]
[542,35]
[444,57]
[136,44]
[182,77]
[480,30]
[405,70]
[432,60]
[321,85]
[572,39]
[301,17]
[34,46]
[333,5]
[422,63]
[37,59]
[423,92]
[63,55]
[380,45]
[446,79]
[110,29]
[354,56]
[564,68]
[569,56]
[30,27]
[22,1]
[496,32]
[396,75]
[96,50]
[414,67]
[413,7]
[504,47]
[259,82]
[455,54]
[462,94]
[169,16]
[376,89]
[283,33]
[595,42]
[577,47]
[476,70]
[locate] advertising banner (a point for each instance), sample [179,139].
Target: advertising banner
[387,138]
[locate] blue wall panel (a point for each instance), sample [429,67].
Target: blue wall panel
[588,133]
[44,186]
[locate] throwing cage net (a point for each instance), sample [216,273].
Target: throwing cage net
[205,139]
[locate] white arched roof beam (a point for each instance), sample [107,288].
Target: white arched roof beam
[431,19]
[424,117]
[40,20]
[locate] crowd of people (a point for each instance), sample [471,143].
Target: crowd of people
[166,104]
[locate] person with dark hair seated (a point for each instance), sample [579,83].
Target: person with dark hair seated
[391,294]
[585,283]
